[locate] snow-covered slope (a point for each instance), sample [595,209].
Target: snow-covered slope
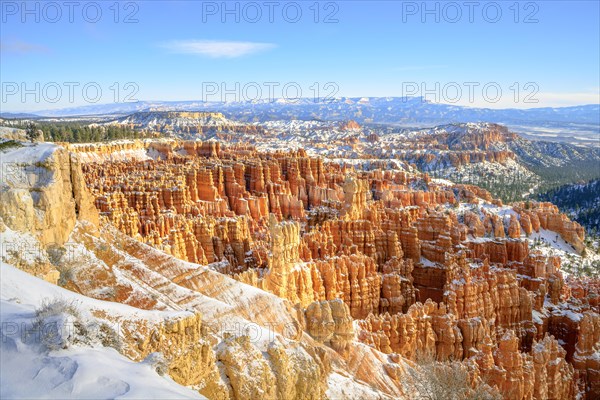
[28,369]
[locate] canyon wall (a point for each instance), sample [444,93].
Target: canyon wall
[346,271]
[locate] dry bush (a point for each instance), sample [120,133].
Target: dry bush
[434,380]
[59,324]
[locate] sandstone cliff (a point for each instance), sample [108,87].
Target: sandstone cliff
[302,273]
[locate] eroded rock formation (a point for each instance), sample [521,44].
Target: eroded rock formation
[360,270]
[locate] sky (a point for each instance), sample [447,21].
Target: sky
[503,54]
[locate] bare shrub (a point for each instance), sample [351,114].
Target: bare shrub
[59,324]
[56,322]
[434,380]
[55,254]
[109,337]
[66,272]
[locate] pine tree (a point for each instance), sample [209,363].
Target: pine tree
[31,131]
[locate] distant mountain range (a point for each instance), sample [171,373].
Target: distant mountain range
[361,109]
[577,124]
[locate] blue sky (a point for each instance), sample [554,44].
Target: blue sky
[548,51]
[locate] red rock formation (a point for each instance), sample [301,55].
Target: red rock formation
[397,290]
[547,216]
[349,125]
[330,322]
[407,334]
[585,359]
[474,224]
[542,375]
[514,228]
[416,273]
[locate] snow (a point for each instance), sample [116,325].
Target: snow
[555,243]
[483,239]
[29,370]
[444,182]
[27,167]
[22,167]
[544,134]
[22,246]
[427,263]
[587,139]
[573,316]
[120,155]
[500,211]
[21,287]
[343,387]
[550,243]
[537,317]
[29,153]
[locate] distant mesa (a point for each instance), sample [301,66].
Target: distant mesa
[349,125]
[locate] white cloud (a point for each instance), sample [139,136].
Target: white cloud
[216,48]
[21,47]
